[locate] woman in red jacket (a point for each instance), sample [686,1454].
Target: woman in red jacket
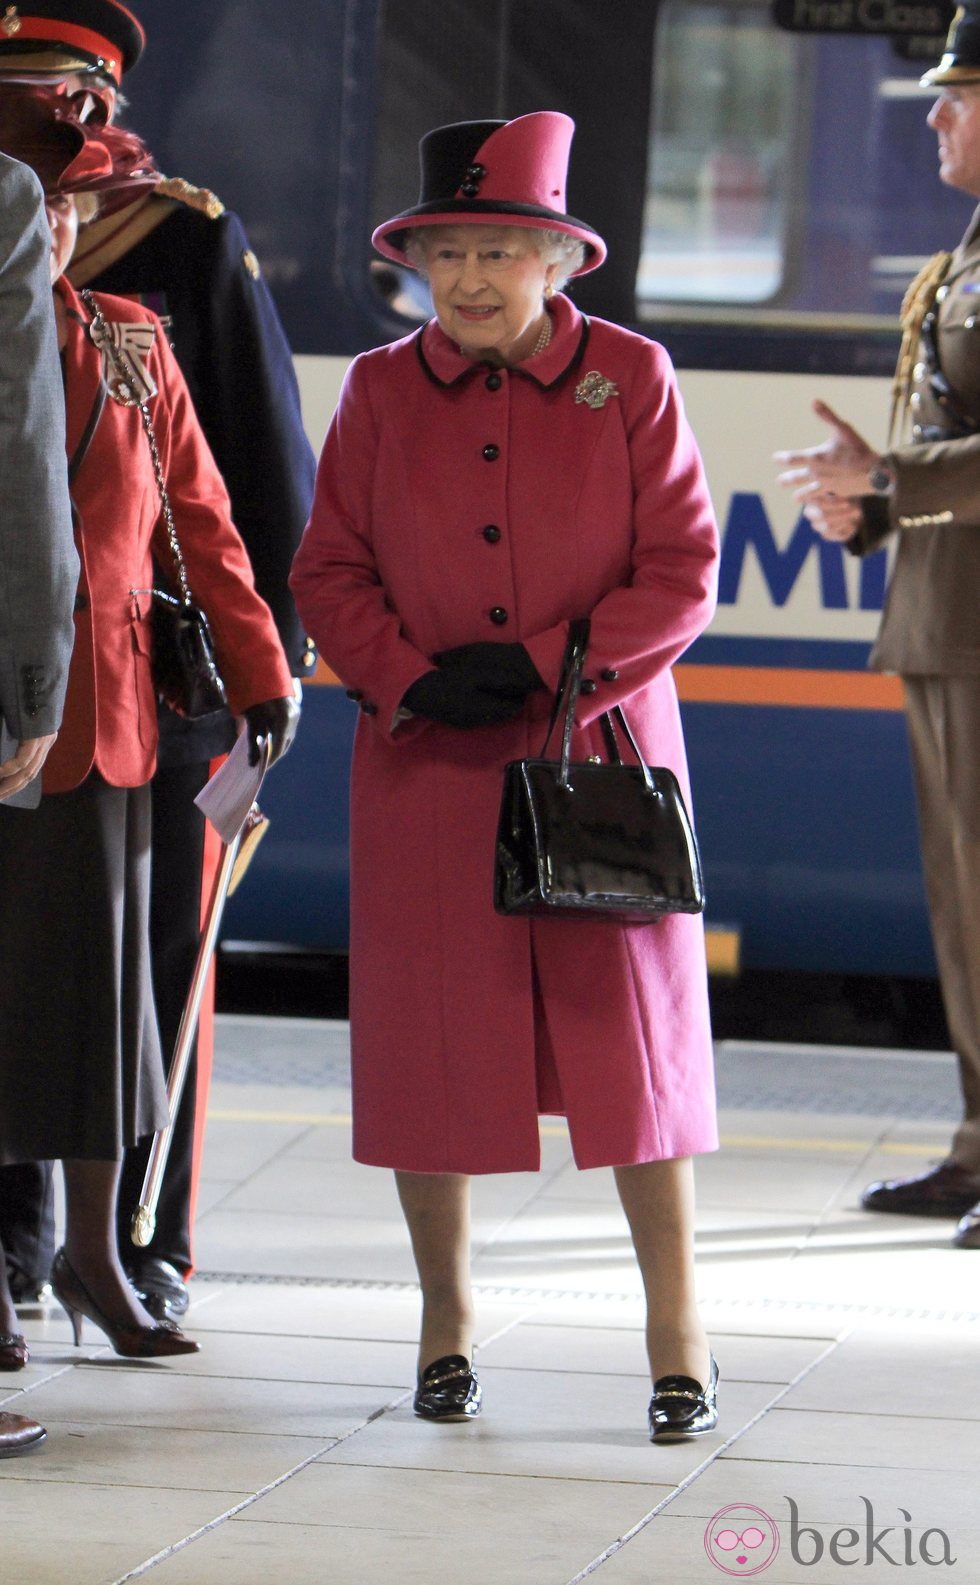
[81,1076]
[509,467]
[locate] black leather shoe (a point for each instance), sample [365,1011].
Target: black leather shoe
[967,1235]
[946,1190]
[160,1286]
[681,1407]
[19,1435]
[448,1389]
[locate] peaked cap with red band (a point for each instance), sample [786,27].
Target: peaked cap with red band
[509,173]
[98,33]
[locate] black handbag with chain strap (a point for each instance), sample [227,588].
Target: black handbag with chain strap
[185,671]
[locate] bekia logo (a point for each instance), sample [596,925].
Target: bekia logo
[742,1540]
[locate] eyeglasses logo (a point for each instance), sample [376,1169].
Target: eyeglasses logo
[741,1540]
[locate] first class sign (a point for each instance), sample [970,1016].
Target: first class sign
[887,17]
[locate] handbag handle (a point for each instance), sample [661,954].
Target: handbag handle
[566,699]
[126,392]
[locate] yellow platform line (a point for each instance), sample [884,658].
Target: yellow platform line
[223,1114]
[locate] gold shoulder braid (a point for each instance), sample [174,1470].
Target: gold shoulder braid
[201,198]
[916,303]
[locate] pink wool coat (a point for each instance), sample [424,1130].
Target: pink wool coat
[466,1025]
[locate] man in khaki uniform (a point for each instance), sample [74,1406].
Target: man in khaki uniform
[927,492]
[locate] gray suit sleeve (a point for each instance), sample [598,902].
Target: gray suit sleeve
[38,563]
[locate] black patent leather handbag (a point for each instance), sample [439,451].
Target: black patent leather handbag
[606,840]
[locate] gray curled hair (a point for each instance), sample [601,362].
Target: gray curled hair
[553,247]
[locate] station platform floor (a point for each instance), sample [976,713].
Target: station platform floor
[287,1451]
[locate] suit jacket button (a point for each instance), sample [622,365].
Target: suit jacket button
[81,602]
[355,694]
[491,534]
[498,616]
[609,674]
[369,708]
[494,381]
[588,685]
[491,453]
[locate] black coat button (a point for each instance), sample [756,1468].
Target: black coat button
[494,382]
[469,189]
[491,534]
[588,685]
[476,172]
[369,708]
[355,694]
[498,616]
[81,602]
[491,453]
[609,674]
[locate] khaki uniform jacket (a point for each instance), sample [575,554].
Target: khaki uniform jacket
[931,621]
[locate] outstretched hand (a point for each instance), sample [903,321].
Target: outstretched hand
[839,466]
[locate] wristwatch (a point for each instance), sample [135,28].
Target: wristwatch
[881,478]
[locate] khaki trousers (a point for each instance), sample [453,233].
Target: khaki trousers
[943,716]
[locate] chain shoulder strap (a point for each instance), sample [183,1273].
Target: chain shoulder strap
[124,388]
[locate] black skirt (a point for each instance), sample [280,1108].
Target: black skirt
[81,1074]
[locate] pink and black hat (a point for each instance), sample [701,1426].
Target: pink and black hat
[509,173]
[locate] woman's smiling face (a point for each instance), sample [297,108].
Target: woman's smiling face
[488,285]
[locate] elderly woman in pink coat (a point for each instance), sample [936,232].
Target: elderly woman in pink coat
[506,469]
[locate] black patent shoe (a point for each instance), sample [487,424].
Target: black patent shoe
[681,1407]
[160,1287]
[448,1389]
[967,1235]
[945,1190]
[27,1292]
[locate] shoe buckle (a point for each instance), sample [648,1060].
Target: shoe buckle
[439,1381]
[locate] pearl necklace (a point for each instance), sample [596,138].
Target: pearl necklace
[544,336]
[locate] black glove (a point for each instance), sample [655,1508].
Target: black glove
[275,719]
[450,697]
[504,669]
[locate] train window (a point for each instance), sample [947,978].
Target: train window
[740,174]
[723,122]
